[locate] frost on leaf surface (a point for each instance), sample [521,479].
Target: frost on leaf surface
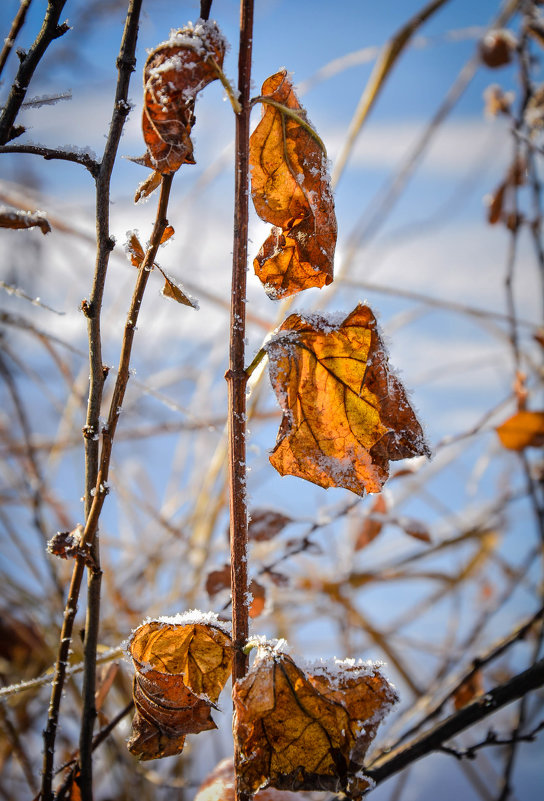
[303,731]
[290,189]
[345,414]
[174,73]
[181,669]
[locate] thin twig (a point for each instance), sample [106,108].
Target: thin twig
[100,490]
[92,308]
[50,153]
[387,765]
[16,25]
[50,31]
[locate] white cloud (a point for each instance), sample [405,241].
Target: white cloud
[456,145]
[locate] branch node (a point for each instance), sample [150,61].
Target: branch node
[60,30]
[89,432]
[86,308]
[15,131]
[21,53]
[126,63]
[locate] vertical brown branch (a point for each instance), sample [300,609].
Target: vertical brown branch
[236,375]
[100,490]
[125,66]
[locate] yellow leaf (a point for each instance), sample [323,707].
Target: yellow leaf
[345,415]
[524,429]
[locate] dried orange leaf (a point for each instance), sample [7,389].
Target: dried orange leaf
[181,669]
[497,48]
[307,731]
[258,601]
[174,291]
[18,219]
[134,249]
[265,524]
[373,524]
[495,204]
[174,73]
[167,234]
[345,414]
[415,529]
[290,189]
[524,429]
[218,580]
[148,186]
[469,690]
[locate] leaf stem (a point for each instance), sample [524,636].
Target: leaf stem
[235,103]
[289,112]
[259,356]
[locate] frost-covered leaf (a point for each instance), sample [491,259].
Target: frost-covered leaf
[307,729]
[174,291]
[167,234]
[148,186]
[524,429]
[497,48]
[345,414]
[134,249]
[18,219]
[290,189]
[174,73]
[180,672]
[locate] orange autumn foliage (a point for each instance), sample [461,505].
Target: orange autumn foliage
[301,730]
[290,189]
[524,429]
[345,414]
[180,672]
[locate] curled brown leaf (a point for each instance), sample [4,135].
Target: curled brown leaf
[174,73]
[181,669]
[18,219]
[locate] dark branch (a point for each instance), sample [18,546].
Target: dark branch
[433,740]
[16,25]
[49,153]
[50,30]
[205,6]
[492,739]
